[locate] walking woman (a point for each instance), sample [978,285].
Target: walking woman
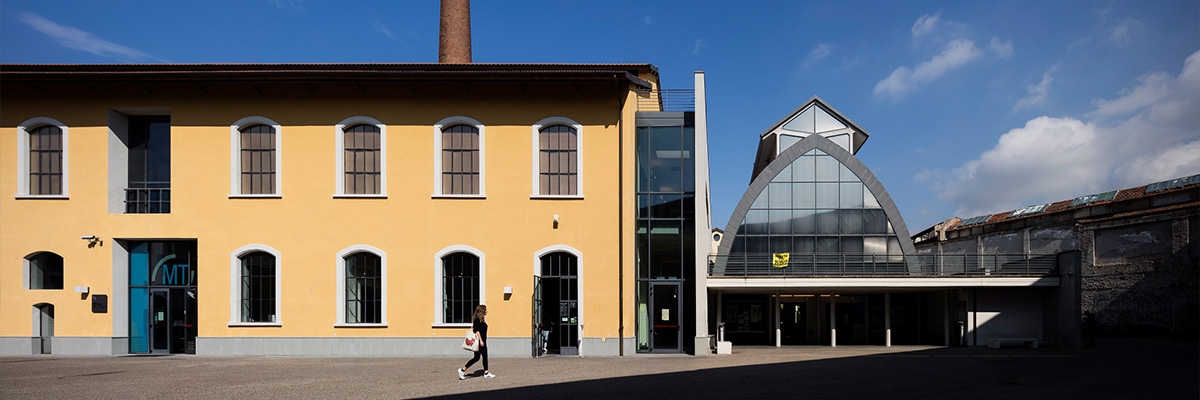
[479,326]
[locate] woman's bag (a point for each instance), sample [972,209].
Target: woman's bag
[470,342]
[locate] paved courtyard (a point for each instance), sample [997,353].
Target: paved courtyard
[1119,369]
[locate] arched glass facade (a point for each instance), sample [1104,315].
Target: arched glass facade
[816,205]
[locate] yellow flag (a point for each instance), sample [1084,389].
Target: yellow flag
[780,260]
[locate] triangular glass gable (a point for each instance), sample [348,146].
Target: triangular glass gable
[825,122]
[803,122]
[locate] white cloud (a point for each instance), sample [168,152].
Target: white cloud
[648,20]
[1052,159]
[1125,31]
[381,28]
[76,39]
[294,6]
[818,53]
[1003,49]
[1036,94]
[933,26]
[903,80]
[696,48]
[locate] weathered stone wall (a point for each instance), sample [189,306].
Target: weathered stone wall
[1141,276]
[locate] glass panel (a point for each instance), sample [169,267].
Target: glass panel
[825,122]
[803,122]
[786,141]
[781,222]
[643,159]
[781,195]
[688,163]
[666,159]
[852,244]
[842,140]
[874,245]
[869,200]
[827,195]
[666,258]
[827,169]
[893,245]
[846,175]
[804,222]
[781,244]
[760,202]
[739,245]
[803,244]
[804,195]
[139,320]
[756,244]
[827,222]
[785,175]
[756,222]
[804,169]
[828,244]
[851,195]
[851,222]
[874,221]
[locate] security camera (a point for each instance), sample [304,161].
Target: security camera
[88,237]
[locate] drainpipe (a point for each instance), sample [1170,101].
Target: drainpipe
[620,220]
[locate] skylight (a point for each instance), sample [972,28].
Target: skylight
[1172,184]
[1028,210]
[1092,198]
[975,220]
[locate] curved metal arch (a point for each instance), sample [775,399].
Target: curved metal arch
[790,155]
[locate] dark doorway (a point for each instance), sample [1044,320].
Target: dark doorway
[557,305]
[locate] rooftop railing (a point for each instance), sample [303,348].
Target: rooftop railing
[667,100]
[893,265]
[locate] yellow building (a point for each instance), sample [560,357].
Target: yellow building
[333,209]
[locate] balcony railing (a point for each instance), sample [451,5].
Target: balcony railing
[841,265]
[667,100]
[148,198]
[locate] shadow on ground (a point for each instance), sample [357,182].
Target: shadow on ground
[1120,369]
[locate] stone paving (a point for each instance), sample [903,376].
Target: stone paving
[1120,368]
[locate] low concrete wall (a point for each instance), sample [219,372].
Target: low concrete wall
[18,346]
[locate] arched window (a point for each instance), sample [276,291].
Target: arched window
[254,290]
[362,286]
[459,161]
[362,157]
[460,287]
[364,295]
[557,159]
[256,158]
[362,160]
[258,289]
[42,158]
[45,271]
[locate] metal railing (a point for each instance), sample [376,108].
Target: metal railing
[667,100]
[148,198]
[947,265]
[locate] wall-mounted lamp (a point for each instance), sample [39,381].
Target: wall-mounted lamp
[507,292]
[555,221]
[92,240]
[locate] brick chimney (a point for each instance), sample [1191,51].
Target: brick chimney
[454,42]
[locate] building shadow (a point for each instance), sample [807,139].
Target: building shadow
[1121,368]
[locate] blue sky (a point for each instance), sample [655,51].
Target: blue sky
[973,107]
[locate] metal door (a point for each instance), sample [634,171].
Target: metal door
[539,341]
[45,328]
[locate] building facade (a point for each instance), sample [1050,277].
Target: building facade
[1139,251]
[331,209]
[817,253]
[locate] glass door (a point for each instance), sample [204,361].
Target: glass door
[665,332]
[160,327]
